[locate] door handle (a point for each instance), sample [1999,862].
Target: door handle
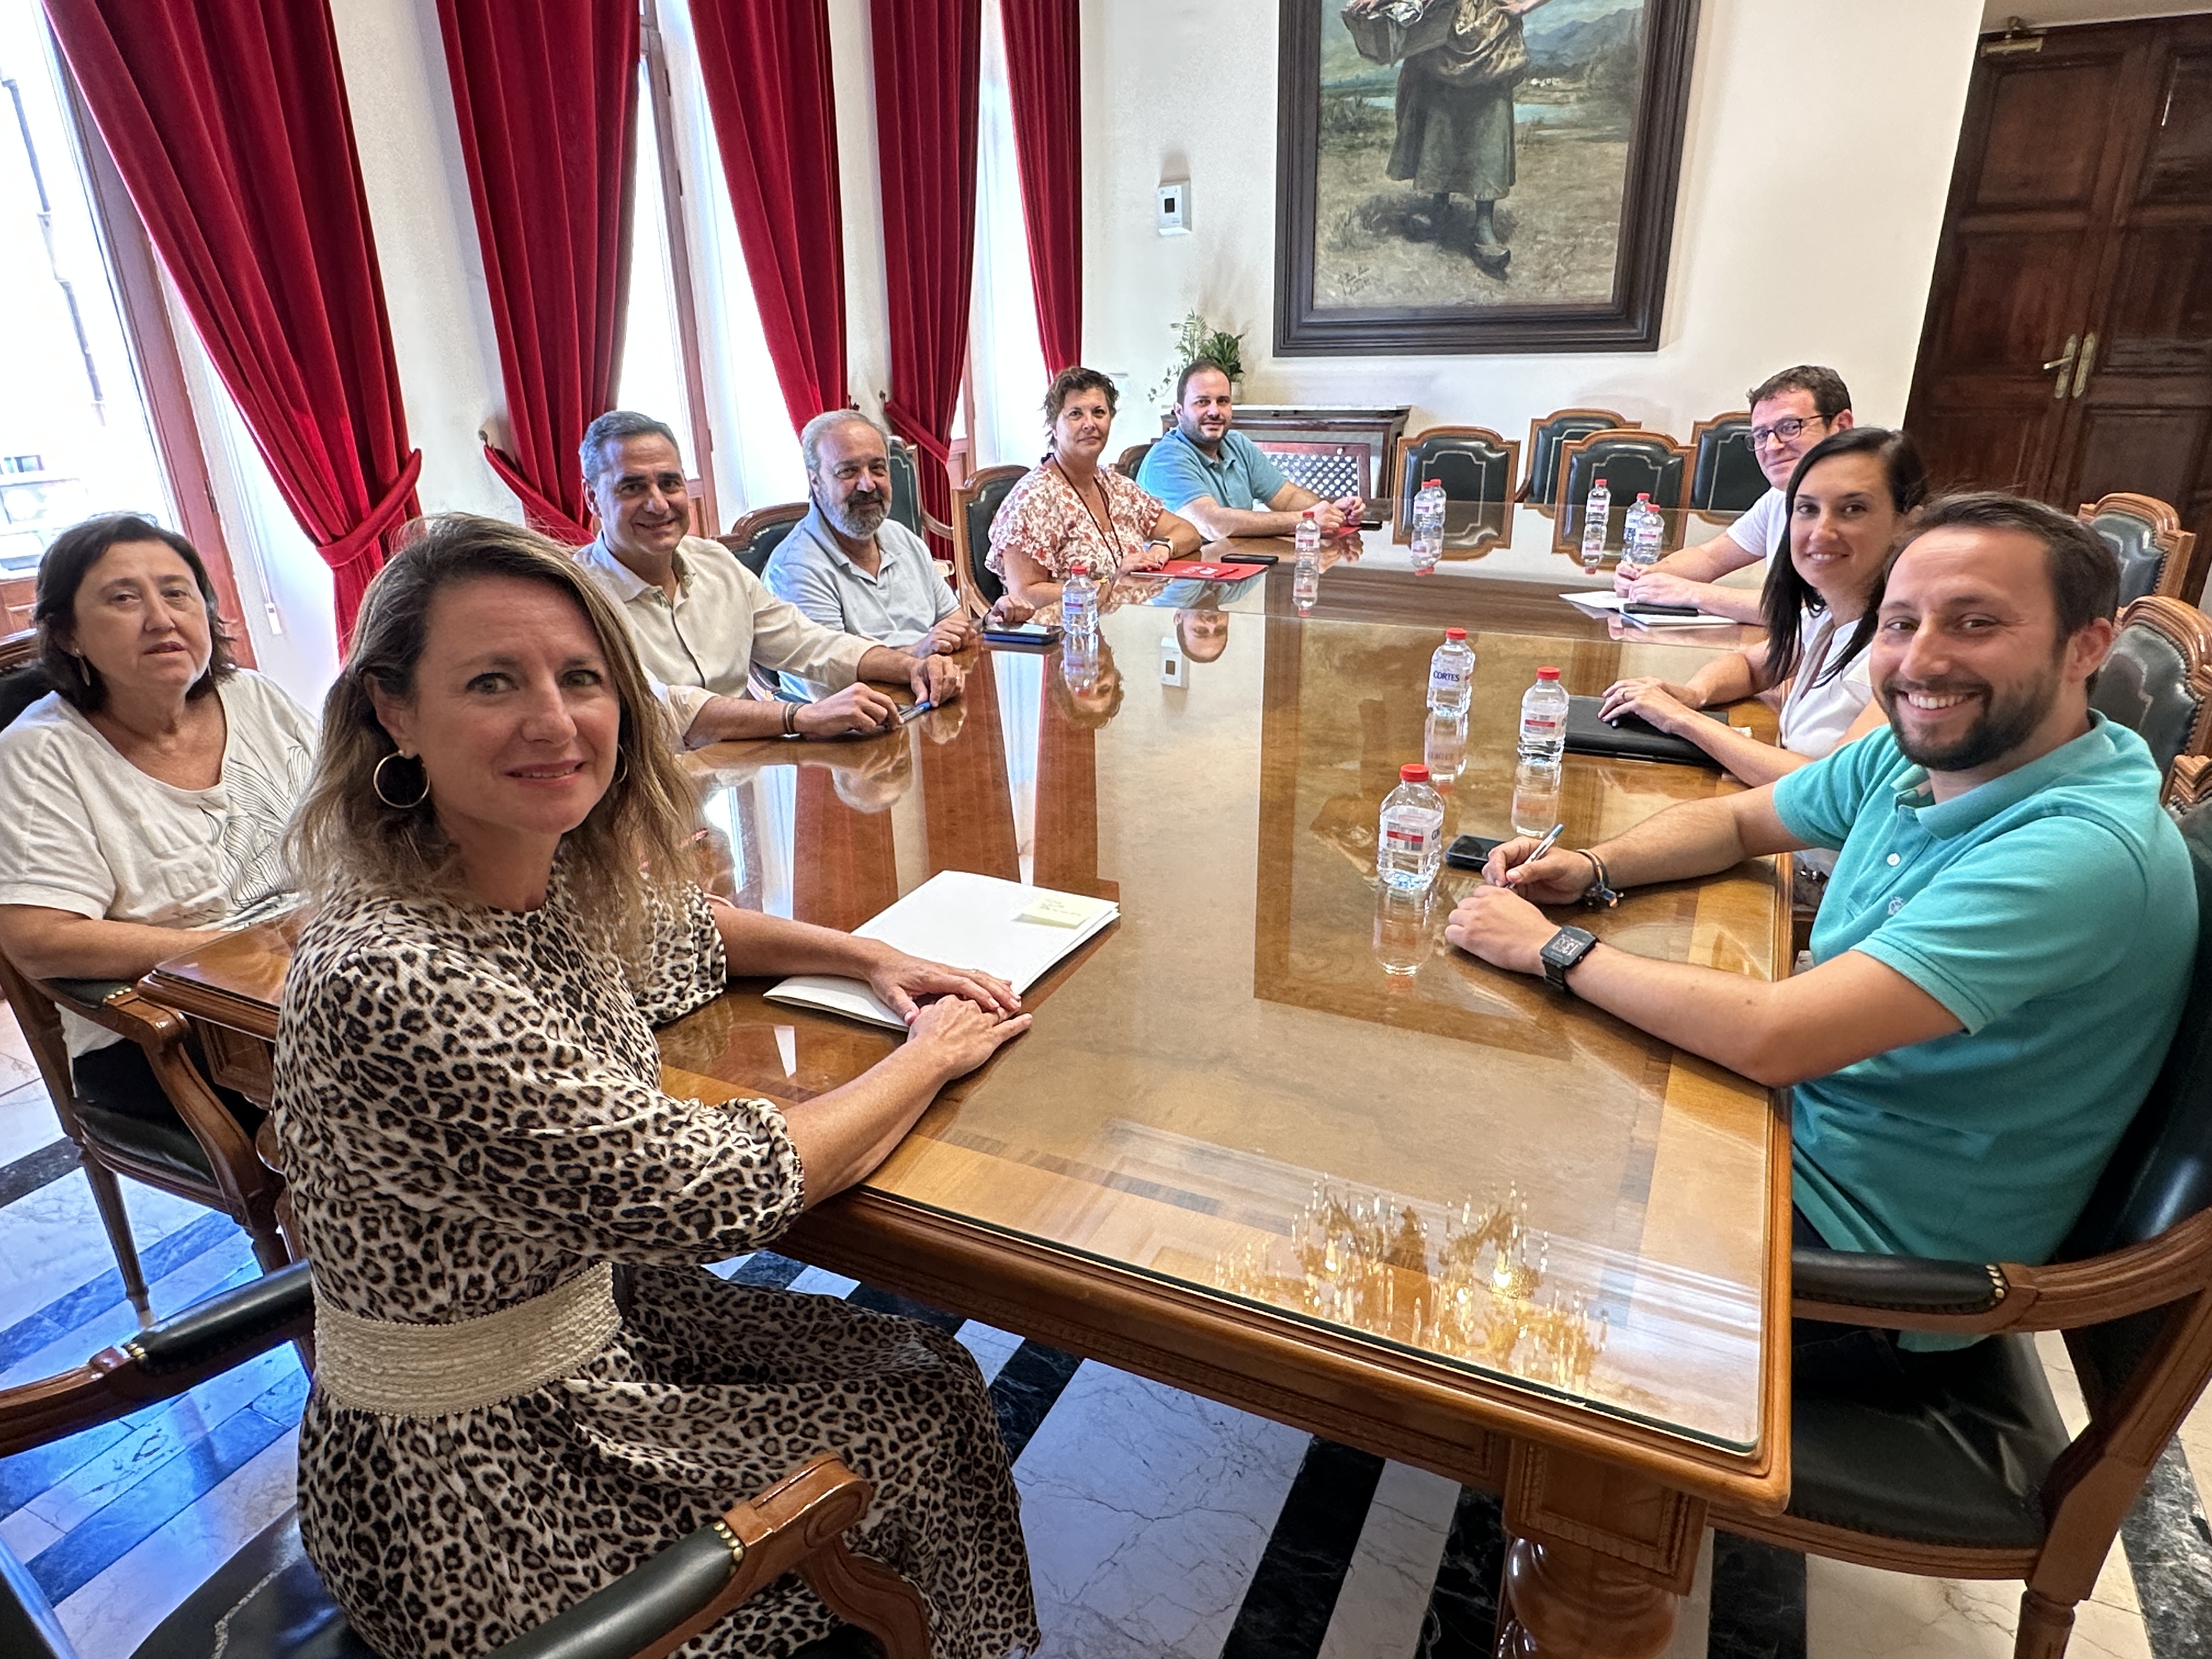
[2063,364]
[2087,361]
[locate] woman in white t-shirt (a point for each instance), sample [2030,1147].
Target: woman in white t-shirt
[1849,501]
[147,791]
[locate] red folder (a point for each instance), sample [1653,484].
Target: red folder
[1205,570]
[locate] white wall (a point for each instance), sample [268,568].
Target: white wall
[1816,159]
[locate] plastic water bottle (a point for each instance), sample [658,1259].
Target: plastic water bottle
[1640,544]
[1409,844]
[1451,674]
[1305,581]
[1428,529]
[1595,511]
[1078,599]
[1535,797]
[1544,721]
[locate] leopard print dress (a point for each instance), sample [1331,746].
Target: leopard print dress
[468,1102]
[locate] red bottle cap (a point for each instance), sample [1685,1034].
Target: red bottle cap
[1547,673]
[1430,484]
[1454,633]
[1643,494]
[1414,773]
[1600,482]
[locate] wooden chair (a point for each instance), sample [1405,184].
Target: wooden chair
[1725,476]
[2158,680]
[2156,554]
[1968,1473]
[200,1152]
[1548,437]
[755,536]
[906,493]
[267,1603]
[1631,461]
[1131,458]
[1476,465]
[975,505]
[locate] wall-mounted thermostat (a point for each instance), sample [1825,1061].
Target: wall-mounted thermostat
[1174,216]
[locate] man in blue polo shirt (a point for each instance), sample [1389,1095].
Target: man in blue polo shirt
[1219,479]
[2006,943]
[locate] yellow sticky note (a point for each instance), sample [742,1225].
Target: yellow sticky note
[1058,911]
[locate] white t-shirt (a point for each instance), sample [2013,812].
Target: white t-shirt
[1764,529]
[1815,717]
[87,832]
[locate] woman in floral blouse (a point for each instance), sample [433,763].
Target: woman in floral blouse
[1071,507]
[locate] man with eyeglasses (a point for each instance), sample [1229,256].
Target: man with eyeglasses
[702,622]
[1789,413]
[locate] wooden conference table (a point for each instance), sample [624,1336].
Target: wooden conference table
[1443,1215]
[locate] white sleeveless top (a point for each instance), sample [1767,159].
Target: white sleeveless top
[1815,717]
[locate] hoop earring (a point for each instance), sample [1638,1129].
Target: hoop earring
[621,770]
[376,782]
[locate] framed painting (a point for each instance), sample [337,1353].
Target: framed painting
[1477,175]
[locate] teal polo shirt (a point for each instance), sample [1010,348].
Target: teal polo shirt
[2053,910]
[1241,478]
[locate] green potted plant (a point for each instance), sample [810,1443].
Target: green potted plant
[1196,337]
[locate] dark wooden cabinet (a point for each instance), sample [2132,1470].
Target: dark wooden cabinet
[2068,348]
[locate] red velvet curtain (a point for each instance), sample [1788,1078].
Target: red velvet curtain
[928,69]
[546,95]
[766,65]
[1045,71]
[228,120]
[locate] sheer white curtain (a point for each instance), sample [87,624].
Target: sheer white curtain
[1002,330]
[756,452]
[652,380]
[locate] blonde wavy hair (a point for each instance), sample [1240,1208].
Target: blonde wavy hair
[629,853]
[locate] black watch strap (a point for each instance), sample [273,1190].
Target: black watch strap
[1563,953]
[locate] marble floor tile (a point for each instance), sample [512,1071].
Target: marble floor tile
[26,1535]
[991,1347]
[113,1613]
[52,1240]
[17,1064]
[1147,1511]
[1857,1613]
[27,1118]
[816,1281]
[1394,1567]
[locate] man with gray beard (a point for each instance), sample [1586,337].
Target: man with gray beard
[848,564]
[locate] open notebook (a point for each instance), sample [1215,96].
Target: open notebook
[966,921]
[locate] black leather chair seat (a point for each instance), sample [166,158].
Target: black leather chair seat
[1959,1459]
[167,1146]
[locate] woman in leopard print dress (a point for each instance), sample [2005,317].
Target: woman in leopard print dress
[468,1100]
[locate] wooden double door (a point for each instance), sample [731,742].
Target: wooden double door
[2068,348]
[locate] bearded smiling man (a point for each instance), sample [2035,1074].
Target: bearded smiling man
[2006,943]
[848,564]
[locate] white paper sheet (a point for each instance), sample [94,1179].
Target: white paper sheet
[963,920]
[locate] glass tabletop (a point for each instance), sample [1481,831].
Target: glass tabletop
[1268,1083]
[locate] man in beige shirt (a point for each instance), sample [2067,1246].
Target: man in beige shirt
[702,622]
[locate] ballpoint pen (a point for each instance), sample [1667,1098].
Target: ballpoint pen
[1551,840]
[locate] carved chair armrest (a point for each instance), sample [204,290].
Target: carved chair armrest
[1975,1298]
[933,525]
[160,1031]
[180,1352]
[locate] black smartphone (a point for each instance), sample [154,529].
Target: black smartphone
[1639,609]
[1034,636]
[1472,852]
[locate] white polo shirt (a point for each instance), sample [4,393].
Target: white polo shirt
[897,605]
[722,622]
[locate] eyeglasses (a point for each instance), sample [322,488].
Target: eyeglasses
[1785,428]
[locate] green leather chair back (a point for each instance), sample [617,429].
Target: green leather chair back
[1724,475]
[2142,561]
[2144,686]
[981,511]
[1546,438]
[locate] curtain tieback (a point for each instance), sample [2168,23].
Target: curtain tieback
[544,514]
[380,518]
[910,428]
[431,1370]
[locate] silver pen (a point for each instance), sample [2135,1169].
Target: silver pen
[1551,840]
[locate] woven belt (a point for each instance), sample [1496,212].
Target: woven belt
[430,1371]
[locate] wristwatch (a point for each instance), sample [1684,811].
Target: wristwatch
[1563,953]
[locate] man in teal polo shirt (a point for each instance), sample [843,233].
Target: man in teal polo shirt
[2006,943]
[1219,479]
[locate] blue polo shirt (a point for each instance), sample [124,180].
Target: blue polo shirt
[1241,478]
[2053,910]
